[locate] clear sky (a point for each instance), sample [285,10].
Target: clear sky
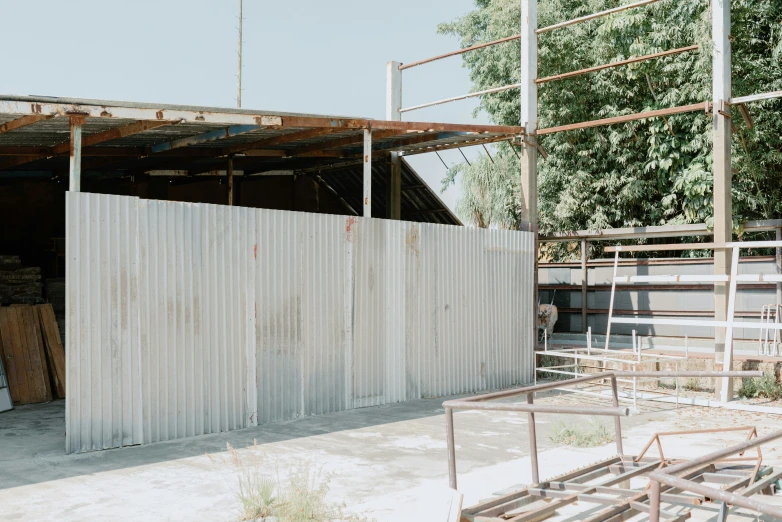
[312,56]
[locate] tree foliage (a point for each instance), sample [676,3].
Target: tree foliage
[650,172]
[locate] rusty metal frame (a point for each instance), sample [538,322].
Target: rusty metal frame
[481,402]
[670,477]
[612,495]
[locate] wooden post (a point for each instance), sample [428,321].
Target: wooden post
[74,180]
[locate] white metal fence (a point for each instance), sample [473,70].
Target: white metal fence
[186,319]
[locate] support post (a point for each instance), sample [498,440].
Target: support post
[230,181]
[779,270]
[529,151]
[533,443]
[239,75]
[74,180]
[393,106]
[654,501]
[617,422]
[451,448]
[368,173]
[584,284]
[723,173]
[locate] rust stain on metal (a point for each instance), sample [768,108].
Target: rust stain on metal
[36,108]
[255,251]
[349,228]
[159,115]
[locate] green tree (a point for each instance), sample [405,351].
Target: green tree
[650,172]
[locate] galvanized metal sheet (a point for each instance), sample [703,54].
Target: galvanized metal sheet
[222,318]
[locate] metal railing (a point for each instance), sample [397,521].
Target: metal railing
[479,402]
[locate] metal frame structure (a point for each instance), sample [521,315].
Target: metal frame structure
[718,107]
[611,494]
[680,476]
[729,324]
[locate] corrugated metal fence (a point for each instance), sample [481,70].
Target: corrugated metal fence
[186,319]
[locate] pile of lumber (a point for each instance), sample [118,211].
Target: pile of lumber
[32,353]
[19,284]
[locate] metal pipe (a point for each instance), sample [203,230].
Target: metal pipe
[617,420]
[239,83]
[540,408]
[458,52]
[451,448]
[595,15]
[462,97]
[529,389]
[722,453]
[671,373]
[616,64]
[779,270]
[756,97]
[654,501]
[611,302]
[623,119]
[533,442]
[716,494]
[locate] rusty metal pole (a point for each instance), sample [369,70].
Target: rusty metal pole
[239,75]
[451,448]
[74,180]
[533,443]
[617,421]
[654,501]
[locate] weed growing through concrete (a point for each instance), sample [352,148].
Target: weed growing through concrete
[302,497]
[766,387]
[595,433]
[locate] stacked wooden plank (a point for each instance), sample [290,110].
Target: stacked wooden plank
[32,353]
[19,284]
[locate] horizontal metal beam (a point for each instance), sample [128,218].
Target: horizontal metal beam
[462,97]
[343,142]
[617,64]
[595,15]
[629,117]
[460,51]
[278,140]
[665,231]
[24,121]
[756,97]
[228,118]
[215,135]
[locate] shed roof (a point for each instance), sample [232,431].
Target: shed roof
[136,138]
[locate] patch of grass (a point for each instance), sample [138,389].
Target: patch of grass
[765,386]
[594,434]
[692,384]
[300,498]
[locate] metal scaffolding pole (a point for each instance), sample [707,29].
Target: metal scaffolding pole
[368,173]
[723,207]
[393,108]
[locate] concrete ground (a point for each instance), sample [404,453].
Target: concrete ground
[388,463]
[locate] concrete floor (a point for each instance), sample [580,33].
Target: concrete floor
[388,463]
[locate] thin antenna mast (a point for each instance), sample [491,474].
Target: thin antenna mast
[239,86]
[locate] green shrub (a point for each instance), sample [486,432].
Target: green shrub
[765,386]
[594,434]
